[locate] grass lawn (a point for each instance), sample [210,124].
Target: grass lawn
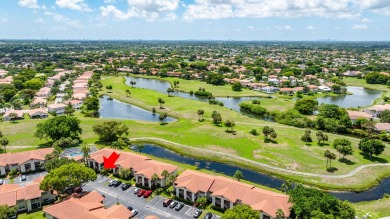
[286,152]
[35,215]
[362,83]
[378,208]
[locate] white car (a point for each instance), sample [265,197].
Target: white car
[134,212]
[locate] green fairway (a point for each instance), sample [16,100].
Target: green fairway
[377,209]
[288,151]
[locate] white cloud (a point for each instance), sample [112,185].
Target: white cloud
[68,22]
[345,9]
[359,27]
[29,3]
[285,27]
[40,21]
[109,1]
[309,27]
[78,5]
[150,10]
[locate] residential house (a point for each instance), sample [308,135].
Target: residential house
[58,108]
[353,115]
[76,104]
[142,167]
[376,110]
[39,113]
[43,92]
[269,90]
[383,127]
[89,206]
[8,115]
[6,80]
[3,73]
[79,96]
[25,198]
[26,161]
[38,102]
[324,88]
[225,193]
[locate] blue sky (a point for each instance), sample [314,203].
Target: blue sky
[196,19]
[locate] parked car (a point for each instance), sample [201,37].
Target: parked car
[173,204]
[1,181]
[208,216]
[111,182]
[179,206]
[141,192]
[125,186]
[130,208]
[117,183]
[136,190]
[23,178]
[197,213]
[134,212]
[148,193]
[166,202]
[78,190]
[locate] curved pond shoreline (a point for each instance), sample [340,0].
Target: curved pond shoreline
[260,178]
[116,109]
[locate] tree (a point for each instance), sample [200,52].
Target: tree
[133,83]
[139,147]
[217,118]
[169,91]
[266,131]
[321,137]
[56,162]
[155,177]
[162,117]
[287,185]
[13,116]
[124,173]
[67,176]
[109,88]
[161,101]
[343,146]
[329,157]
[59,127]
[371,146]
[280,214]
[86,150]
[256,102]
[237,86]
[200,113]
[110,131]
[273,134]
[306,106]
[306,137]
[201,201]
[4,142]
[229,124]
[238,175]
[7,212]
[69,109]
[128,93]
[165,174]
[240,212]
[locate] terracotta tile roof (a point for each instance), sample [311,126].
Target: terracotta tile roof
[380,107]
[10,193]
[37,111]
[382,126]
[151,217]
[358,114]
[150,167]
[87,207]
[8,198]
[22,157]
[194,181]
[18,112]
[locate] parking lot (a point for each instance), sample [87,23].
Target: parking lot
[128,198]
[29,178]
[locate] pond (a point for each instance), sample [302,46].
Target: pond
[259,178]
[120,110]
[361,97]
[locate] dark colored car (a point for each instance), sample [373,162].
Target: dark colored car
[136,190]
[141,192]
[179,206]
[166,202]
[197,213]
[208,216]
[112,182]
[148,193]
[173,204]
[78,190]
[125,186]
[117,183]
[23,178]
[130,208]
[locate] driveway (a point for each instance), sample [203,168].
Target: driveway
[128,198]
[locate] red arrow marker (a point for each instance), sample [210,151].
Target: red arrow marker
[110,162]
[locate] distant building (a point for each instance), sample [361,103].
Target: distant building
[376,110]
[7,115]
[58,108]
[39,113]
[383,127]
[353,115]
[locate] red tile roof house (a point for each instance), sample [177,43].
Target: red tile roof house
[3,73]
[89,206]
[142,167]
[26,198]
[79,96]
[58,108]
[353,115]
[23,161]
[225,193]
[76,104]
[43,92]
[19,115]
[376,110]
[38,102]
[39,113]
[385,127]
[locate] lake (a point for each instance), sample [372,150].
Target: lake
[120,110]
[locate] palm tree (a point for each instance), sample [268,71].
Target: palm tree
[238,175]
[4,142]
[286,186]
[133,83]
[163,117]
[161,101]
[165,174]
[280,214]
[155,178]
[86,150]
[200,113]
[171,178]
[169,91]
[128,93]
